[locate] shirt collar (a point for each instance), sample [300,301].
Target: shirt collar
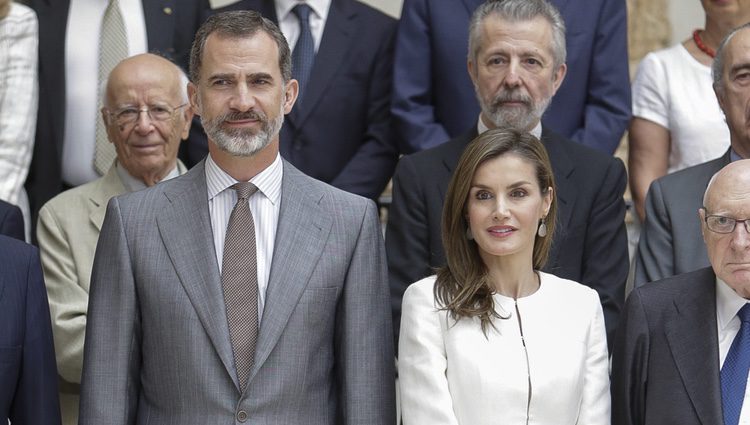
[284,7]
[267,181]
[133,184]
[728,303]
[536,131]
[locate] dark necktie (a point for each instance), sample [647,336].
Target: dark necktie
[239,279]
[304,51]
[734,371]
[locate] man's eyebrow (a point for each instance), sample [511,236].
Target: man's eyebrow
[739,67]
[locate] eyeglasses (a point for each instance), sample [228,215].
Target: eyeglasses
[127,116]
[722,224]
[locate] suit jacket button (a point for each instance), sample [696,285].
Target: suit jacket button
[242,416]
[167,10]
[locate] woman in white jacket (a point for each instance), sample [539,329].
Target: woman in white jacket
[490,339]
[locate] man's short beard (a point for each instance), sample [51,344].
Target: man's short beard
[519,118]
[243,141]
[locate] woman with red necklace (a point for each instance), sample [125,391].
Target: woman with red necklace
[676,118]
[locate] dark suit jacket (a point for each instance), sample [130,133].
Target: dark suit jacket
[11,221]
[666,360]
[341,131]
[28,375]
[170,28]
[671,242]
[434,100]
[589,245]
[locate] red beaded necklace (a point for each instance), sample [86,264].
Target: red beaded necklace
[702,46]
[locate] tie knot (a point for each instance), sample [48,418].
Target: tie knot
[302,11]
[244,189]
[744,313]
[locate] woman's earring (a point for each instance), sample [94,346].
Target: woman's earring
[469,235]
[542,232]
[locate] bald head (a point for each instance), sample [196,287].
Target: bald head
[147,114]
[724,224]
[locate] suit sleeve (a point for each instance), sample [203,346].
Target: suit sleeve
[68,300]
[368,171]
[654,259]
[407,236]
[595,400]
[413,110]
[36,399]
[605,258]
[111,367]
[363,340]
[630,365]
[608,104]
[11,224]
[423,362]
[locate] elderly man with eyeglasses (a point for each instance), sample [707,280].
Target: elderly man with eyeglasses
[147,115]
[682,353]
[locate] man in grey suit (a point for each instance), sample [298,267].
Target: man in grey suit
[212,305]
[683,349]
[670,241]
[147,115]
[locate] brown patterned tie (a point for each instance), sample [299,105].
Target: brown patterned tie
[239,278]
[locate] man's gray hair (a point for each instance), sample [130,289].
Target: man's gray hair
[717,66]
[516,11]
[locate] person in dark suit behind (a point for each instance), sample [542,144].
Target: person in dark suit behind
[340,131]
[670,241]
[11,221]
[683,350]
[28,375]
[591,244]
[433,100]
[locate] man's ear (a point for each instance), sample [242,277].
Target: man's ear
[193,98]
[291,91]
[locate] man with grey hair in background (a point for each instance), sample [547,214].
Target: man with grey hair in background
[146,114]
[670,241]
[243,291]
[516,63]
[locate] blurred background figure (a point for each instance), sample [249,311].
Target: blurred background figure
[18,101]
[676,119]
[492,339]
[433,98]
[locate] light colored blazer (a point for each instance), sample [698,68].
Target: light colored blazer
[158,349]
[451,373]
[67,231]
[671,242]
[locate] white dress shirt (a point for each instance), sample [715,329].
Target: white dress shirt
[81,75]
[289,24]
[728,304]
[264,205]
[19,94]
[451,373]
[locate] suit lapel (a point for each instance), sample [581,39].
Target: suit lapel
[336,42]
[563,168]
[107,187]
[301,235]
[185,228]
[452,154]
[692,337]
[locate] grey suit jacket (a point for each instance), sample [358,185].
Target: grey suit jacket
[665,368]
[671,241]
[67,231]
[157,347]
